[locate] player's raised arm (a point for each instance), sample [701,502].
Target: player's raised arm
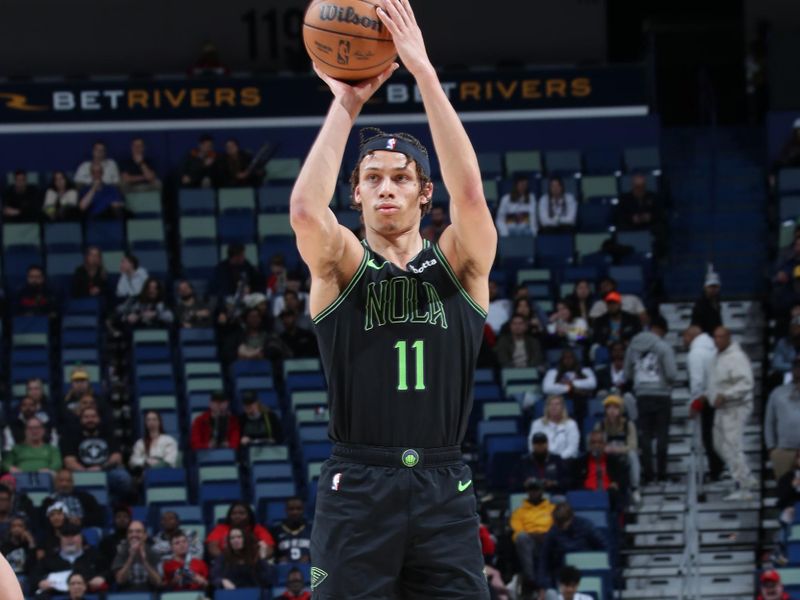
[471,240]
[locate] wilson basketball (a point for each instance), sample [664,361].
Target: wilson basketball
[347,39]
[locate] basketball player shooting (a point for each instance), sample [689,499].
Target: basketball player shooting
[399,323]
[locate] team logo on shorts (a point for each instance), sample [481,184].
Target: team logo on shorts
[317,576]
[391,143]
[335,482]
[410,458]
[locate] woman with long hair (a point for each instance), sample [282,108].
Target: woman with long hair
[61,199]
[516,214]
[571,380]
[562,432]
[150,309]
[240,516]
[155,448]
[558,210]
[565,328]
[622,439]
[243,564]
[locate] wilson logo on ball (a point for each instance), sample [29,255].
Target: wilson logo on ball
[331,12]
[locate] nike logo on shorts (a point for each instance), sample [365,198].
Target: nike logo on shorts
[463,486]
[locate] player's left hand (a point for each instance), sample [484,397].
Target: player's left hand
[401,23]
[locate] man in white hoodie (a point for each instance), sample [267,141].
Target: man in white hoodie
[699,361]
[731,392]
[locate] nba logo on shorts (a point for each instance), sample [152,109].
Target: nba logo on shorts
[335,483]
[391,143]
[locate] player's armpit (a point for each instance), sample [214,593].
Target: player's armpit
[471,261]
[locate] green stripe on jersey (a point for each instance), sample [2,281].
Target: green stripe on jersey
[457,283]
[341,297]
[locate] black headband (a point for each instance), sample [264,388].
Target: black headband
[390,143]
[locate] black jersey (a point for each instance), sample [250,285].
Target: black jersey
[399,350]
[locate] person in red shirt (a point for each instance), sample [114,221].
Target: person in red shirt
[240,516]
[295,587]
[771,587]
[184,571]
[600,471]
[217,427]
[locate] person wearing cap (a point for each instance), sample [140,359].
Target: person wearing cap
[557,210]
[707,311]
[771,587]
[615,325]
[630,303]
[259,424]
[529,523]
[34,454]
[650,365]
[543,465]
[782,423]
[56,516]
[622,440]
[79,385]
[71,555]
[217,427]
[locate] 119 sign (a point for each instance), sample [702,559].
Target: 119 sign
[275,35]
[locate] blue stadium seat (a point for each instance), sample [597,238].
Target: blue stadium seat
[555,250]
[106,235]
[595,217]
[239,594]
[236,228]
[496,427]
[271,471]
[586,500]
[198,261]
[83,306]
[789,180]
[250,367]
[216,456]
[274,197]
[517,249]
[63,237]
[164,477]
[601,161]
[196,201]
[34,482]
[563,162]
[304,381]
[194,335]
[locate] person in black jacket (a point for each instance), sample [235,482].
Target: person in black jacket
[81,506]
[544,466]
[707,312]
[73,556]
[260,426]
[615,325]
[90,278]
[243,564]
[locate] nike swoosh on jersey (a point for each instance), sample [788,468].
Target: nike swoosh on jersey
[463,486]
[373,265]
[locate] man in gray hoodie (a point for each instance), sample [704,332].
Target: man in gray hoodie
[650,365]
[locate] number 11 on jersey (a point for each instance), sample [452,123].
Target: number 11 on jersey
[419,365]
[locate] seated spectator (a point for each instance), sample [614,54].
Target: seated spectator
[61,199]
[293,535]
[240,516]
[76,587]
[91,278]
[438,221]
[569,533]
[781,424]
[530,522]
[132,277]
[149,310]
[242,564]
[35,389]
[209,63]
[184,570]
[33,454]
[622,441]
[259,424]
[580,300]
[630,303]
[234,274]
[300,342]
[56,516]
[99,199]
[138,172]
[253,342]
[82,507]
[518,347]
[499,307]
[569,578]
[94,447]
[50,574]
[217,427]
[276,279]
[615,325]
[35,297]
[786,284]
[295,587]
[544,466]
[611,378]
[79,386]
[18,547]
[785,351]
[171,525]
[201,167]
[135,565]
[571,381]
[516,214]
[155,449]
[14,432]
[235,167]
[565,329]
[534,316]
[21,201]
[558,211]
[637,209]
[191,311]
[83,176]
[789,155]
[599,471]
[72,416]
[294,301]
[15,504]
[707,311]
[562,433]
[771,587]
[107,548]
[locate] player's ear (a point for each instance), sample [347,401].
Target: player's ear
[427,192]
[357,195]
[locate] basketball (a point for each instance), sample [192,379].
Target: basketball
[346,38]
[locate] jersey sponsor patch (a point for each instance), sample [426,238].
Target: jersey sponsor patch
[423,266]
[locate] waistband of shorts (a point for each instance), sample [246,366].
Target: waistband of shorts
[385,456]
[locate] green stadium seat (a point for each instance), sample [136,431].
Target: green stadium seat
[313,470]
[143,204]
[217,473]
[202,369]
[588,561]
[527,162]
[197,229]
[204,384]
[493,410]
[516,375]
[145,231]
[274,224]
[164,402]
[594,186]
[21,234]
[589,243]
[283,169]
[533,275]
[233,199]
[309,398]
[111,260]
[268,454]
[151,336]
[301,365]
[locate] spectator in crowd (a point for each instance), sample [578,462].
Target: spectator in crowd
[55,517]
[135,565]
[771,587]
[201,167]
[35,297]
[786,282]
[18,546]
[99,199]
[209,63]
[14,432]
[782,423]
[235,167]
[83,175]
[599,471]
[150,309]
[731,390]
[563,436]
[94,447]
[155,449]
[789,155]
[260,426]
[138,171]
[438,220]
[294,301]
[569,578]
[184,570]
[529,523]
[788,489]
[240,516]
[569,533]
[580,300]
[132,277]
[242,564]
[82,507]
[217,427]
[21,200]
[621,442]
[107,548]
[611,377]
[79,386]
[650,365]
[232,275]
[786,350]
[534,317]
[499,307]
[50,574]
[293,535]
[518,347]
[61,199]
[90,278]
[701,355]
[516,214]
[570,380]
[277,278]
[707,311]
[544,466]
[558,211]
[565,328]
[630,303]
[295,586]
[637,209]
[615,325]
[191,311]
[35,389]
[252,341]
[76,586]
[170,526]
[300,342]
[34,454]
[17,503]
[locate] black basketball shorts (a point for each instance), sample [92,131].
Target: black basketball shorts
[395,523]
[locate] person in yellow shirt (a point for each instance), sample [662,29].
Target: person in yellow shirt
[530,522]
